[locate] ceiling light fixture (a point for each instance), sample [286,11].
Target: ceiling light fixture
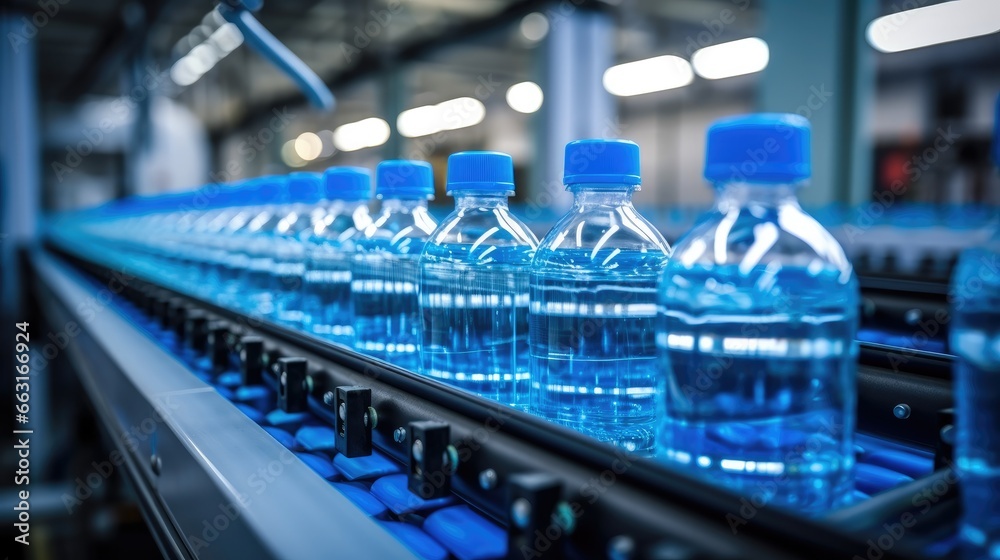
[649,75]
[933,25]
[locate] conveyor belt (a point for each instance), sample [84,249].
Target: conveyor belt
[644,504]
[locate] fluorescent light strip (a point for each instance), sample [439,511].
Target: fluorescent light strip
[933,25]
[204,56]
[447,115]
[735,58]
[649,75]
[366,133]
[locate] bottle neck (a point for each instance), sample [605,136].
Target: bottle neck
[730,195]
[404,205]
[351,205]
[300,207]
[465,200]
[611,195]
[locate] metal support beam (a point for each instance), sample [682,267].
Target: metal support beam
[19,171]
[821,69]
[579,48]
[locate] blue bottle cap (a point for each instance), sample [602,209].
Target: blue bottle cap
[264,190]
[759,148]
[400,178]
[601,161]
[214,196]
[304,187]
[347,183]
[486,172]
[219,196]
[244,192]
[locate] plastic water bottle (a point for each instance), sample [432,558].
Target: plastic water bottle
[385,273]
[330,250]
[271,239]
[245,272]
[220,203]
[288,255]
[213,233]
[975,341]
[253,197]
[474,284]
[757,330]
[593,303]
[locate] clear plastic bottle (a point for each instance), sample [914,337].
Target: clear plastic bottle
[271,239]
[385,273]
[330,251]
[757,330]
[213,231]
[474,284]
[206,238]
[250,198]
[238,272]
[975,341]
[593,303]
[307,206]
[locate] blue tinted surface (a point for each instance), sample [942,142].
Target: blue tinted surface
[758,313]
[474,301]
[975,339]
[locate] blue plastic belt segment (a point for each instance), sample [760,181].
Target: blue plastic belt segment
[361,498]
[468,535]
[393,492]
[203,364]
[372,466]
[225,392]
[283,437]
[422,544]
[909,464]
[290,421]
[872,479]
[257,396]
[251,412]
[314,438]
[320,464]
[231,379]
[943,547]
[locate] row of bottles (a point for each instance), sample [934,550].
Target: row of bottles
[975,340]
[731,356]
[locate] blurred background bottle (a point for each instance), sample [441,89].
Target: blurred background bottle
[306,207]
[385,272]
[266,195]
[326,292]
[975,340]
